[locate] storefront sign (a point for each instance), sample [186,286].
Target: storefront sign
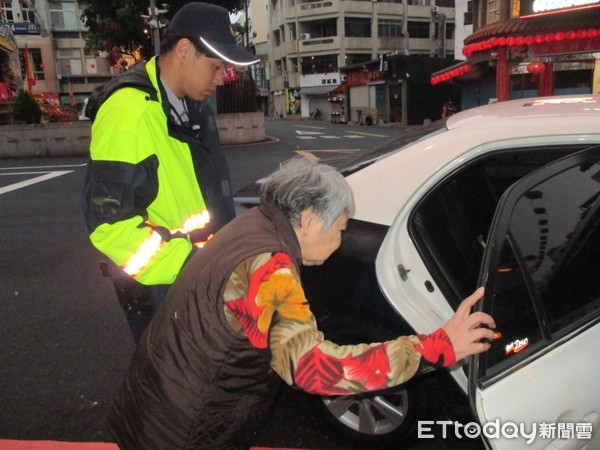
[539,7]
[362,77]
[24,27]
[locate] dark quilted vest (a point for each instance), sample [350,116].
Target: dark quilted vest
[193,383]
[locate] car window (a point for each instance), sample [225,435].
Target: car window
[451,223]
[545,284]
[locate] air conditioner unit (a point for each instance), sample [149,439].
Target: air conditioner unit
[435,9]
[305,36]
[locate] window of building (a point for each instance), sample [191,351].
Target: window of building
[28,11]
[65,15]
[357,27]
[389,28]
[36,56]
[7,11]
[418,29]
[293,31]
[282,33]
[277,36]
[70,61]
[493,11]
[320,64]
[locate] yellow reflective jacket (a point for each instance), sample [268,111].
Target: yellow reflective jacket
[154,189]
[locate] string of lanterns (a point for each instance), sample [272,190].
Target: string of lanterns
[513,41]
[534,67]
[451,74]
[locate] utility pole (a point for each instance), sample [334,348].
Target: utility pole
[155,24]
[155,30]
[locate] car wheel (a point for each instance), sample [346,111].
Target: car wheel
[380,418]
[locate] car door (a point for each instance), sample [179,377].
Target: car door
[537,387]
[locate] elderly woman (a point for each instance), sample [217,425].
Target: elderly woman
[236,323]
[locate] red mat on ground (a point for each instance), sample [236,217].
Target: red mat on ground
[55,445]
[7,444]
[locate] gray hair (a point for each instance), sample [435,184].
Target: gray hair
[301,184]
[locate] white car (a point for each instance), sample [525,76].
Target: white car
[506,196]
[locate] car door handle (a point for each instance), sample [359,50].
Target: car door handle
[574,442]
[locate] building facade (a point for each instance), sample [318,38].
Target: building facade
[526,48]
[54,35]
[310,42]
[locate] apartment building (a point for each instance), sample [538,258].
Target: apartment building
[53,33]
[310,41]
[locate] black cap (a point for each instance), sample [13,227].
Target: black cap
[210,23]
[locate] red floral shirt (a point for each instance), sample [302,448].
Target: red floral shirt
[265,300]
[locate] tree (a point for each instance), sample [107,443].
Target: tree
[116,26]
[26,108]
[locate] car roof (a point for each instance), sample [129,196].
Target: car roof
[500,113]
[405,170]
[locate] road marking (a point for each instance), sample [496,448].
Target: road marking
[353,136]
[304,133]
[22,184]
[330,137]
[310,153]
[306,137]
[313,127]
[44,167]
[371,134]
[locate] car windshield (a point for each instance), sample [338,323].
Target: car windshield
[383,151]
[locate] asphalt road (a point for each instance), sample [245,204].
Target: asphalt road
[64,341]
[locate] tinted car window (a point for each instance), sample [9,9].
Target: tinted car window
[546,282]
[450,225]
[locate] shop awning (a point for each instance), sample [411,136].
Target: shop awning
[317,90]
[450,72]
[6,45]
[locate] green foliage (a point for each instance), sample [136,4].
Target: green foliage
[26,108]
[118,23]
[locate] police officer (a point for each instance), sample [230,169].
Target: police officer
[158,186]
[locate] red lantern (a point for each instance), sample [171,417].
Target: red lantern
[124,63]
[42,66]
[92,65]
[68,65]
[536,67]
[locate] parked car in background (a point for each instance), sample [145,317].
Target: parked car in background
[505,196]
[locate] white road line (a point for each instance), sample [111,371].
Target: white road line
[22,184]
[44,167]
[330,137]
[305,137]
[353,136]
